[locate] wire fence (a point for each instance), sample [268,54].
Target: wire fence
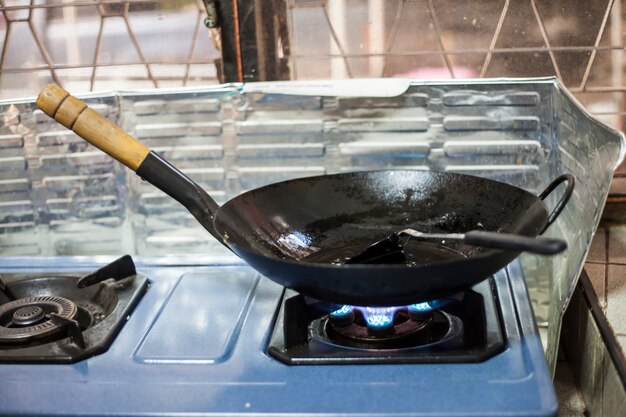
[578,41]
[106,44]
[89,45]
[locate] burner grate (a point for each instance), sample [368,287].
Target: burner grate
[66,318]
[29,318]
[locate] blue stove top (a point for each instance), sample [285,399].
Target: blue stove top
[197,345]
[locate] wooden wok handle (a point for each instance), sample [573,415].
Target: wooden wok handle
[91,126]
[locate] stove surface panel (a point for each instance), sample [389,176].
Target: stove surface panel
[197,341]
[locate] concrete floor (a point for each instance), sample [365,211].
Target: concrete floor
[570,401]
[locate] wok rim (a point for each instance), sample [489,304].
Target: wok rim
[483,256]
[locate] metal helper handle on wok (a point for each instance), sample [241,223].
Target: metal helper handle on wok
[569,178]
[114,141]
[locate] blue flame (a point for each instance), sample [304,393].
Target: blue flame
[343,311]
[420,307]
[379,317]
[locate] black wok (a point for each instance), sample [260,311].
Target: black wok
[299,232]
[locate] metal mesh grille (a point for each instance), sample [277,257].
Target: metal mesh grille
[580,42]
[102,44]
[96,45]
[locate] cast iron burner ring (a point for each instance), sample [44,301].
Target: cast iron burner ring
[21,320]
[360,333]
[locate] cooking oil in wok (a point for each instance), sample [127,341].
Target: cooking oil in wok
[414,254]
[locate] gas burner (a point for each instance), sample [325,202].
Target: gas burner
[65,318]
[393,329]
[464,328]
[29,318]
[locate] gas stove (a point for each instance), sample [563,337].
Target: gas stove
[213,337]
